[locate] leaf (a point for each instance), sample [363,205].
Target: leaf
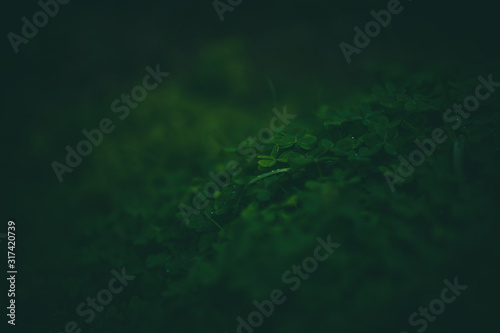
[229,150]
[221,208]
[334,121]
[389,149]
[381,132]
[410,106]
[389,105]
[393,124]
[342,117]
[267,163]
[284,140]
[274,153]
[292,201]
[307,141]
[377,147]
[212,220]
[370,139]
[345,144]
[365,151]
[239,181]
[327,144]
[382,120]
[286,156]
[366,110]
[301,160]
[412,128]
[328,158]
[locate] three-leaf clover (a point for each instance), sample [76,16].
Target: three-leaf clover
[420,103]
[379,137]
[305,141]
[390,96]
[367,113]
[269,160]
[284,140]
[341,117]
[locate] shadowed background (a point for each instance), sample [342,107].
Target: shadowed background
[106,213]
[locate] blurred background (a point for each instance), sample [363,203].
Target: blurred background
[119,207]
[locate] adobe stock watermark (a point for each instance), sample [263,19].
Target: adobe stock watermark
[29,29]
[95,136]
[103,298]
[417,157]
[249,148]
[292,277]
[372,29]
[221,7]
[437,306]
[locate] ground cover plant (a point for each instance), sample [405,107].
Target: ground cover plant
[324,177]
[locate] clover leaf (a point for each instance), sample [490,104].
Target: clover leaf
[284,140]
[307,141]
[287,156]
[339,120]
[389,149]
[267,163]
[269,160]
[367,112]
[327,144]
[420,103]
[345,144]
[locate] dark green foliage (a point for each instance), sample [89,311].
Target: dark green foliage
[313,181]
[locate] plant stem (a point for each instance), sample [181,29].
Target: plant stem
[213,221]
